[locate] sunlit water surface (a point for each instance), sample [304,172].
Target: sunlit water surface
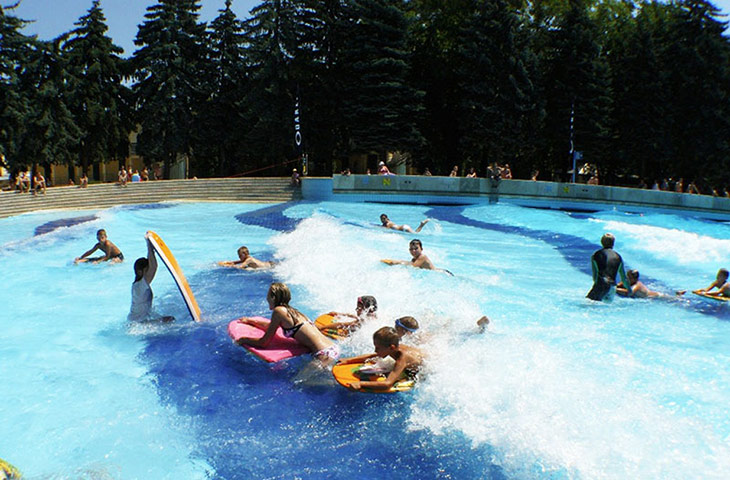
[559,387]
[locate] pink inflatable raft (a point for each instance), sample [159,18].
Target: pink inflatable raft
[280,347]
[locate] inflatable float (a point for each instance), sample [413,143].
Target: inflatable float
[359,372]
[163,251]
[333,333]
[280,347]
[716,298]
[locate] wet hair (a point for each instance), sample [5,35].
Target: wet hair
[416,241]
[101,230]
[139,265]
[383,217]
[607,240]
[243,249]
[385,337]
[282,296]
[368,303]
[633,273]
[724,271]
[407,323]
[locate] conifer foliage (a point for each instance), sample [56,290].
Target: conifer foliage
[641,88]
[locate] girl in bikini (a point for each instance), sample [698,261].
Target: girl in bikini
[294,324]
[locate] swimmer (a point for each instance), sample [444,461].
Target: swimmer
[111,251]
[419,260]
[403,228]
[246,261]
[294,324]
[720,283]
[406,326]
[605,264]
[144,273]
[408,360]
[638,289]
[367,308]
[483,324]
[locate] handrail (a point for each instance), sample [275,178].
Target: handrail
[264,168]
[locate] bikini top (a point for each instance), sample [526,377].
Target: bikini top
[291,331]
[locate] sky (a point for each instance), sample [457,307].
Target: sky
[54,17]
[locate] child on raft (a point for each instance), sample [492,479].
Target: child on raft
[366,309]
[245,260]
[386,341]
[294,324]
[720,283]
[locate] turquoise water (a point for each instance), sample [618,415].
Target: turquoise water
[560,387]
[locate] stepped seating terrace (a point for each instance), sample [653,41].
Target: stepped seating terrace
[104,195]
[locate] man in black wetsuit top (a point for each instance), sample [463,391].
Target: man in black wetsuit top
[605,264]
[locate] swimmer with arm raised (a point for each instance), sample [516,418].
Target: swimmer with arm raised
[387,223]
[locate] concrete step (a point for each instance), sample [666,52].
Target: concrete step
[265,190]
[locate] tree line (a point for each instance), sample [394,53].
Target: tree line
[639,88]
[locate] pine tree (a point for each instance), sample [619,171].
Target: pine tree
[168,73]
[217,141]
[15,49]
[380,107]
[497,109]
[269,104]
[100,101]
[51,133]
[698,62]
[575,83]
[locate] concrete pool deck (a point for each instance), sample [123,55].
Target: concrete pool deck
[374,189]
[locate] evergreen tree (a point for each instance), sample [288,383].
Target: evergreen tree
[15,49]
[434,39]
[269,104]
[168,73]
[698,63]
[100,101]
[380,107]
[217,141]
[497,108]
[575,84]
[316,72]
[51,133]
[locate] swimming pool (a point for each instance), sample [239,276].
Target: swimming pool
[560,387]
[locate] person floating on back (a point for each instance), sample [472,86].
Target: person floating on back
[245,260]
[111,251]
[720,283]
[367,309]
[408,360]
[144,273]
[605,264]
[419,260]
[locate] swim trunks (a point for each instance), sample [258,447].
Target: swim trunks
[119,255]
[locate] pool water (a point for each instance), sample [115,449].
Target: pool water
[559,387]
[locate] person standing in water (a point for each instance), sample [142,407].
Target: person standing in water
[605,264]
[144,273]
